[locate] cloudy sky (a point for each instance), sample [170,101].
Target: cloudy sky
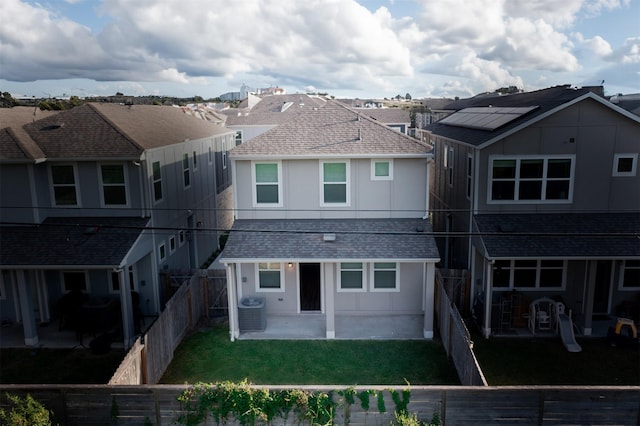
[347,48]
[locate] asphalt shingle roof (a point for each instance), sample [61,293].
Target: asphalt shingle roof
[356,239]
[331,130]
[74,242]
[571,235]
[269,110]
[15,143]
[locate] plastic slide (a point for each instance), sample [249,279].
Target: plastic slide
[566,332]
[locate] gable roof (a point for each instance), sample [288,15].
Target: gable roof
[332,130]
[15,144]
[560,235]
[355,239]
[387,115]
[70,241]
[106,130]
[271,110]
[542,103]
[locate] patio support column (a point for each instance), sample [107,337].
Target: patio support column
[25,293]
[429,276]
[232,299]
[329,300]
[590,296]
[128,331]
[43,297]
[488,287]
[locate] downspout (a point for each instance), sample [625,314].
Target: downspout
[486,327]
[142,176]
[426,212]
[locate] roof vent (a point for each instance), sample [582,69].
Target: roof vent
[329,238]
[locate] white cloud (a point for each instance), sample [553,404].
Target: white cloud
[599,46]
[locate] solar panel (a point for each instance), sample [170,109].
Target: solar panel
[485,118]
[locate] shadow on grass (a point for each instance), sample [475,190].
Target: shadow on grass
[209,356]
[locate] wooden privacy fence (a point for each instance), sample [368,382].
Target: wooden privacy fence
[531,405]
[152,352]
[454,334]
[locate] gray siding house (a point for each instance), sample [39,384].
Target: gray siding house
[100,198]
[539,196]
[330,211]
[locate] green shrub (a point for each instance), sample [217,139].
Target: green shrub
[25,412]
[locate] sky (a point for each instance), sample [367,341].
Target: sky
[346,48]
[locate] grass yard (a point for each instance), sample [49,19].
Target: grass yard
[529,361]
[57,366]
[208,355]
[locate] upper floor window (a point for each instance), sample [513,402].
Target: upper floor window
[449,164]
[269,276]
[351,277]
[238,137]
[114,186]
[162,252]
[625,164]
[115,281]
[469,176]
[157,181]
[384,276]
[195,160]
[381,169]
[630,275]
[63,180]
[186,173]
[266,184]
[529,274]
[529,179]
[210,155]
[335,183]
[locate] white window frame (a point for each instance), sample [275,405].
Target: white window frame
[362,269]
[372,275]
[224,160]
[544,179]
[512,268]
[162,252]
[75,185]
[182,237]
[132,278]
[374,161]
[63,283]
[172,244]
[623,267]
[186,171]
[195,160]
[616,162]
[347,202]
[125,184]
[254,184]
[281,277]
[238,136]
[158,180]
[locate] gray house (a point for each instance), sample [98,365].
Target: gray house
[100,198]
[331,227]
[539,196]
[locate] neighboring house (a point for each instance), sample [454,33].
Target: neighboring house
[539,196]
[103,197]
[399,119]
[330,221]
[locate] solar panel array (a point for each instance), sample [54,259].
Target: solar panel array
[485,118]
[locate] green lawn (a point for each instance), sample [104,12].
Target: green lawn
[209,356]
[528,361]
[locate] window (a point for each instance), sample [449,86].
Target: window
[530,179]
[114,187]
[74,280]
[529,274]
[224,159]
[238,137]
[63,179]
[269,276]
[630,274]
[267,190]
[625,164]
[449,159]
[162,252]
[157,181]
[186,174]
[210,155]
[195,160]
[115,281]
[351,277]
[181,237]
[172,244]
[385,276]
[469,175]
[381,169]
[335,183]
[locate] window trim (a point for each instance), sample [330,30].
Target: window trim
[210,155]
[259,289]
[132,278]
[347,183]
[125,184]
[186,171]
[254,184]
[363,286]
[450,162]
[538,268]
[623,267]
[87,287]
[616,161]
[162,252]
[239,136]
[374,161]
[76,186]
[156,200]
[195,160]
[516,178]
[372,274]
[182,237]
[172,244]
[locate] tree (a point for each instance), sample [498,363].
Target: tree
[407,96]
[24,412]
